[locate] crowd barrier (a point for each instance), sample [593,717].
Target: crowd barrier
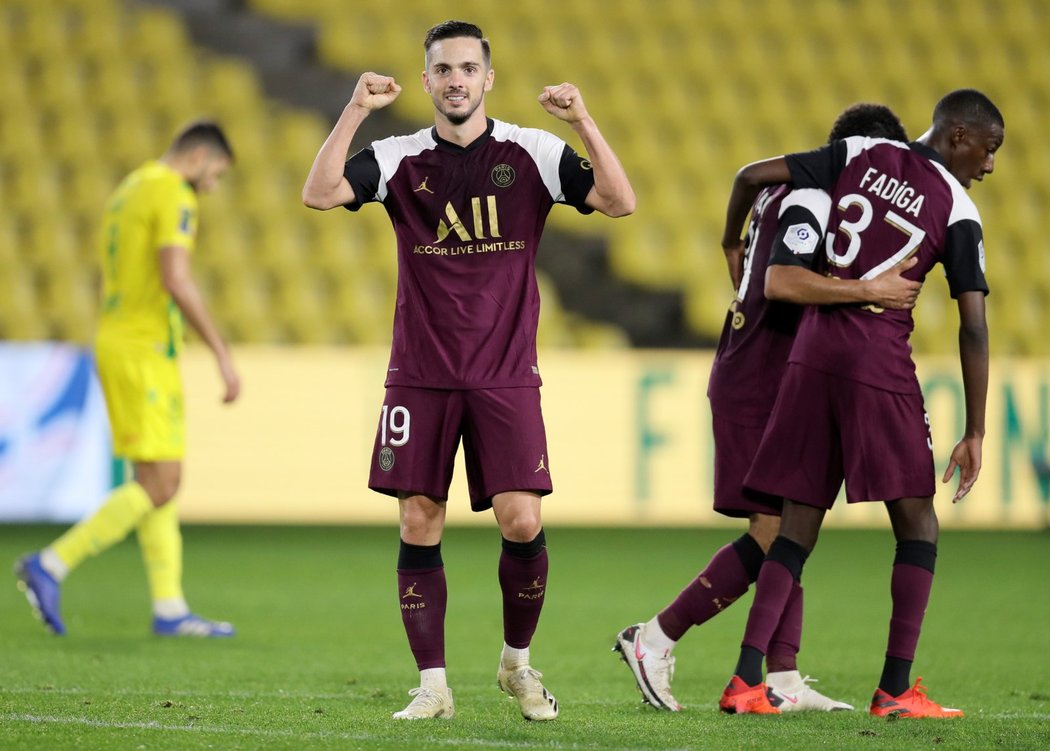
[629,436]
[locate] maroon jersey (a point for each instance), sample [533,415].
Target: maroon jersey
[752,354]
[468,222]
[889,201]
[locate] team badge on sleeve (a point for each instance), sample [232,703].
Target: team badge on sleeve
[980,255]
[801,239]
[185,216]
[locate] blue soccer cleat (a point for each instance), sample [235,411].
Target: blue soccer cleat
[194,626]
[42,591]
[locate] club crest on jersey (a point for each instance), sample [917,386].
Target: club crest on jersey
[386,458]
[980,254]
[503,175]
[801,239]
[184,220]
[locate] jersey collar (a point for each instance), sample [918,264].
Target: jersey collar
[473,145]
[927,152]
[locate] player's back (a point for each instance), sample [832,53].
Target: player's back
[153,207]
[757,335]
[890,201]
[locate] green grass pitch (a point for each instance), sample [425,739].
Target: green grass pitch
[320,660]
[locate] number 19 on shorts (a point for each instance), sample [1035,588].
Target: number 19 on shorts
[395,426]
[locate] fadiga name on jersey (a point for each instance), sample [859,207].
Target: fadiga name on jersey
[897,192]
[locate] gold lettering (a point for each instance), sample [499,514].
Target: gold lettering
[454,224]
[479,221]
[493,217]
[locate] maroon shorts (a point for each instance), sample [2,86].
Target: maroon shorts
[504,442]
[825,428]
[735,447]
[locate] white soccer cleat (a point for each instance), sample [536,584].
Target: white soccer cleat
[652,671]
[523,683]
[428,704]
[788,691]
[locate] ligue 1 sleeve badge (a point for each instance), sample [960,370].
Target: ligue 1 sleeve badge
[801,239]
[386,458]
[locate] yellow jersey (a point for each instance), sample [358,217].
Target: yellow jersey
[154,207]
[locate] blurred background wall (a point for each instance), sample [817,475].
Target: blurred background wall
[686,91]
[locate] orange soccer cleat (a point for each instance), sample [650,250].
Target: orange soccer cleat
[740,698]
[912,703]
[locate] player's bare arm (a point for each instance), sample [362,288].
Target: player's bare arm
[325,186]
[748,181]
[973,355]
[801,286]
[178,281]
[612,193]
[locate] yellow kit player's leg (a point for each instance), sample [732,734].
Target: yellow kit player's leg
[161,542]
[119,514]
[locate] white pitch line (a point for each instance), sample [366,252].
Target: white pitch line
[257,732]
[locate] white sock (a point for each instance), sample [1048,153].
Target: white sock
[655,637]
[171,608]
[784,679]
[53,565]
[512,657]
[433,678]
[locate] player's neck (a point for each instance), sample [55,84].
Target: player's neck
[935,140]
[465,133]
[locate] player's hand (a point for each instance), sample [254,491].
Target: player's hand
[735,261]
[967,457]
[564,102]
[373,91]
[231,381]
[891,290]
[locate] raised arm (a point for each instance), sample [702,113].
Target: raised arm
[973,356]
[612,193]
[178,281]
[749,180]
[325,186]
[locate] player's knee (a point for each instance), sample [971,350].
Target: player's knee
[764,528]
[522,527]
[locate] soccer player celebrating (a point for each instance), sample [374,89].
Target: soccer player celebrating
[468,199]
[850,406]
[149,232]
[786,228]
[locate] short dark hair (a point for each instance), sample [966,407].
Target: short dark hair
[871,120]
[967,107]
[203,133]
[455,29]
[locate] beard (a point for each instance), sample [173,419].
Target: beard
[460,117]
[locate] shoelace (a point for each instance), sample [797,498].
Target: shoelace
[919,692]
[424,697]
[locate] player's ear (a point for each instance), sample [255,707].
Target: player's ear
[959,134]
[489,78]
[426,82]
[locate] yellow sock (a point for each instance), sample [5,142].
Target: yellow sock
[109,525]
[161,543]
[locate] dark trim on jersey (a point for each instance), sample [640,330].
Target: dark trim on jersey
[576,183]
[924,150]
[819,168]
[363,173]
[780,254]
[455,148]
[962,267]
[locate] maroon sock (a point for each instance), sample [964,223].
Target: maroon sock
[726,577]
[781,570]
[787,639]
[910,589]
[523,579]
[423,595]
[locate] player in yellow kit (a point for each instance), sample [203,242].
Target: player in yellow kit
[149,231]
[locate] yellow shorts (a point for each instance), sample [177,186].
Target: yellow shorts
[143,392]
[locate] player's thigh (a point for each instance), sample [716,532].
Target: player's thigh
[144,400]
[735,449]
[504,444]
[887,449]
[800,457]
[416,441]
